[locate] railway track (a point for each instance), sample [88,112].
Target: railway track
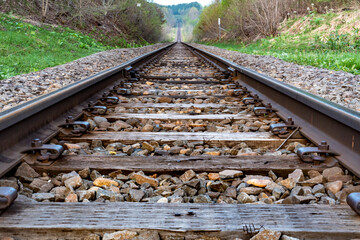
[179,144]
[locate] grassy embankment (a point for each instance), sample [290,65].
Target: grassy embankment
[330,41]
[27,48]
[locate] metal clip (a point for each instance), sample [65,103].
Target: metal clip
[282,129]
[7,197]
[74,128]
[123,91]
[316,154]
[107,99]
[127,85]
[114,89]
[123,84]
[251,100]
[42,152]
[238,92]
[353,200]
[132,72]
[264,110]
[231,86]
[93,109]
[244,90]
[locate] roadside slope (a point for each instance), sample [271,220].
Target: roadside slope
[330,41]
[27,48]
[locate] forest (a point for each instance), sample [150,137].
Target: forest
[244,20]
[185,15]
[113,22]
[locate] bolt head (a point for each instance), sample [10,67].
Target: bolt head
[323,146]
[36,142]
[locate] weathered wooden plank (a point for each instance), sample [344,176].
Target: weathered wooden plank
[196,92]
[221,96]
[173,136]
[252,139]
[281,165]
[181,105]
[162,77]
[310,221]
[203,91]
[208,117]
[208,82]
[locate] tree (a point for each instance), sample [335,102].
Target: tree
[193,13]
[106,5]
[44,9]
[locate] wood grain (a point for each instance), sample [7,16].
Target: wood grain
[281,165]
[310,221]
[252,139]
[180,105]
[207,117]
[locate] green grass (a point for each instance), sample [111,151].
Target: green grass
[303,53]
[334,52]
[26,48]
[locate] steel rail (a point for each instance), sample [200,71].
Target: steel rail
[20,122]
[319,119]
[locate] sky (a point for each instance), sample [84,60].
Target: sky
[174,2]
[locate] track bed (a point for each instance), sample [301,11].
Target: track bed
[179,155]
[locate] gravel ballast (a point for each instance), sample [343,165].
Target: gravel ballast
[23,88]
[336,86]
[330,187]
[339,87]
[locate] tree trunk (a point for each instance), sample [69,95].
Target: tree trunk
[80,11]
[44,9]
